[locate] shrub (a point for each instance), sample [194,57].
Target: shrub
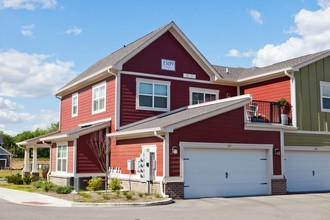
[115,184]
[85,195]
[105,197]
[27,179]
[49,186]
[94,184]
[38,184]
[129,196]
[15,179]
[63,189]
[157,195]
[141,195]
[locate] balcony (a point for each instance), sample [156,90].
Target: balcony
[268,112]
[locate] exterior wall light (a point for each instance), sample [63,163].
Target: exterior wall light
[174,150]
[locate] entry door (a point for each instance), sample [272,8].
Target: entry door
[214,172]
[307,171]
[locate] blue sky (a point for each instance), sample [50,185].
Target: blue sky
[45,43]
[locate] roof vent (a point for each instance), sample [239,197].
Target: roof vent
[227,70]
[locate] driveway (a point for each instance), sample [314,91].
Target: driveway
[302,206]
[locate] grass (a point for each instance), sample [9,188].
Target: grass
[4,173]
[26,188]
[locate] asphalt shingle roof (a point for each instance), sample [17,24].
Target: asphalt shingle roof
[236,73]
[186,113]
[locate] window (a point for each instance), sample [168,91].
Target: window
[325,96]
[153,95]
[200,95]
[98,98]
[62,155]
[75,105]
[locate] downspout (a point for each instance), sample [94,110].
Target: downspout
[293,96]
[164,175]
[50,161]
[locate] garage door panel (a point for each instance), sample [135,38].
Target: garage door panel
[214,172]
[307,171]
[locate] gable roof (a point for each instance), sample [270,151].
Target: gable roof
[4,151]
[184,116]
[35,140]
[240,74]
[110,64]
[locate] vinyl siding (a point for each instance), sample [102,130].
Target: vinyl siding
[309,114]
[224,128]
[270,90]
[130,149]
[313,140]
[85,106]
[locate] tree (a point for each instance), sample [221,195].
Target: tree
[100,146]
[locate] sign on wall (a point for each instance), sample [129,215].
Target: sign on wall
[168,65]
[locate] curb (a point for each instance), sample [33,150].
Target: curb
[126,204]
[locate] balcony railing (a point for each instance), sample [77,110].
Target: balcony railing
[268,112]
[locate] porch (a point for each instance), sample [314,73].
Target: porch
[259,111]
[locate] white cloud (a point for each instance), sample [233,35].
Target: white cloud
[74,31]
[27,30]
[8,104]
[313,30]
[46,117]
[27,4]
[9,116]
[237,53]
[256,16]
[31,75]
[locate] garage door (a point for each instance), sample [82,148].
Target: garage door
[215,172]
[307,171]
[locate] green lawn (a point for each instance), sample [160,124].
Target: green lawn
[4,173]
[26,188]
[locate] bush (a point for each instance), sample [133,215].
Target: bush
[129,196]
[49,186]
[105,197]
[38,184]
[94,184]
[15,179]
[157,195]
[63,189]
[27,179]
[115,184]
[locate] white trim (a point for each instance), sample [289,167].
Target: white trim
[75,95]
[231,146]
[308,132]
[297,67]
[204,91]
[271,73]
[323,84]
[74,155]
[268,127]
[246,96]
[174,179]
[282,153]
[169,77]
[67,156]
[140,131]
[117,101]
[5,162]
[61,174]
[84,79]
[153,82]
[166,156]
[95,122]
[98,86]
[307,148]
[277,177]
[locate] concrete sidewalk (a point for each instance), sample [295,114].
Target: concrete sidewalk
[29,198]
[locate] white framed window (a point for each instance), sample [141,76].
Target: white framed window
[74,105]
[152,95]
[201,95]
[62,157]
[98,96]
[325,96]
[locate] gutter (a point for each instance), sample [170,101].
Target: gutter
[161,183]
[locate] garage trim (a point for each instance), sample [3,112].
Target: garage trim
[233,146]
[308,148]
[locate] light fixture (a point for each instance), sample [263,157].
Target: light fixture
[174,150]
[277,151]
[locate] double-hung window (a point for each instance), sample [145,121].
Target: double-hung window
[75,105]
[200,95]
[99,101]
[325,96]
[62,157]
[152,95]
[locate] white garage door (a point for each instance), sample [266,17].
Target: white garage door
[215,172]
[307,171]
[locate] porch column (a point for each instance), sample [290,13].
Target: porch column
[26,168]
[34,160]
